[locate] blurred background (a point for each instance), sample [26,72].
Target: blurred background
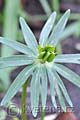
[36,13]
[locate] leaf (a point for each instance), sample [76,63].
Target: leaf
[52,86]
[16,60]
[35,91]
[17,46]
[60,98]
[17,84]
[55,89]
[58,29]
[43,86]
[72,29]
[68,74]
[68,58]
[45,6]
[61,85]
[47,29]
[28,35]
[4,81]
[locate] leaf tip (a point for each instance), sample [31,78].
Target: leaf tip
[53,15]
[68,11]
[54,12]
[21,19]
[2,104]
[71,105]
[34,112]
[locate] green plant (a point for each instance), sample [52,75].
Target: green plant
[45,6]
[10,29]
[55,5]
[41,59]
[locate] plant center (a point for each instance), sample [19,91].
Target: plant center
[46,54]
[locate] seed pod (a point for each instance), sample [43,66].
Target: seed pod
[47,54]
[51,57]
[49,48]
[41,55]
[40,48]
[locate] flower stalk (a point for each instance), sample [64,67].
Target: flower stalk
[42,114]
[24,87]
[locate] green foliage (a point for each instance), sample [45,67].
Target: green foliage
[3,115]
[41,72]
[46,6]
[55,5]
[10,29]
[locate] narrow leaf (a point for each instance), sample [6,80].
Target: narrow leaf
[47,29]
[68,58]
[28,35]
[45,6]
[43,86]
[58,29]
[35,90]
[17,84]
[17,46]
[16,60]
[52,86]
[61,85]
[60,98]
[68,74]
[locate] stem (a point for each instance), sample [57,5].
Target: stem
[15,118]
[55,5]
[24,117]
[42,114]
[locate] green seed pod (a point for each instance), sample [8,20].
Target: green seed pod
[47,54]
[41,55]
[51,57]
[40,48]
[49,48]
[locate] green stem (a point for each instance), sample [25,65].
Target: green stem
[55,5]
[24,117]
[42,114]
